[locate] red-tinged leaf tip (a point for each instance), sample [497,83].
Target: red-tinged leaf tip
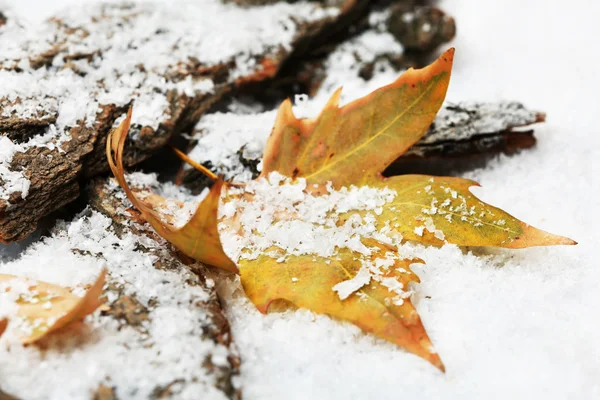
[533,237]
[3,325]
[309,282]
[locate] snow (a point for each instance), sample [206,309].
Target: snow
[519,324]
[350,286]
[218,143]
[275,216]
[12,181]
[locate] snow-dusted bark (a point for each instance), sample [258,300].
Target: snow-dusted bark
[163,334]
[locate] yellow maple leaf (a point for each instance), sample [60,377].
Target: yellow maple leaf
[344,260]
[44,308]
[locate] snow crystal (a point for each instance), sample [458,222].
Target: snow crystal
[346,288]
[11,181]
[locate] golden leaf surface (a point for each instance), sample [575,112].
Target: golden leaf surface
[199,238]
[353,145]
[44,308]
[438,210]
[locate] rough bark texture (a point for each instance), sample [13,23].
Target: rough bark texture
[56,175]
[127,309]
[54,183]
[472,127]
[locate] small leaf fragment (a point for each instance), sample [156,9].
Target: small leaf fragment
[199,237]
[44,308]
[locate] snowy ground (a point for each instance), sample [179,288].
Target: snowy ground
[507,324]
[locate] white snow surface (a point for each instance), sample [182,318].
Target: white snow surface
[518,324]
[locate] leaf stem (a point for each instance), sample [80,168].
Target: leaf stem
[196,165]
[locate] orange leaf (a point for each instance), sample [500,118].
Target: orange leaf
[353,145]
[199,238]
[44,308]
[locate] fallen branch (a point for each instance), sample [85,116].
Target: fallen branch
[70,87]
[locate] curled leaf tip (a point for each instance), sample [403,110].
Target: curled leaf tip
[199,237]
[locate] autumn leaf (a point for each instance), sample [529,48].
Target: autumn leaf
[43,308]
[353,145]
[321,228]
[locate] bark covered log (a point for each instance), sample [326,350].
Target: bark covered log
[417,27]
[469,128]
[70,85]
